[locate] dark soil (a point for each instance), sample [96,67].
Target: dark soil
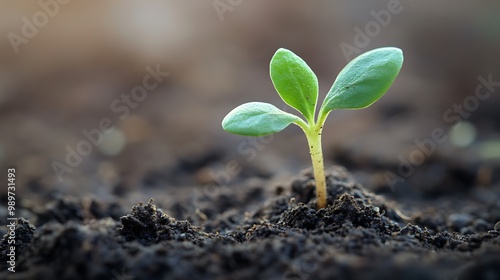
[442,221]
[255,231]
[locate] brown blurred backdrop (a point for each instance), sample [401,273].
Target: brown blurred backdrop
[83,55]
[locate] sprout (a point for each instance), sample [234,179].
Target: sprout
[362,82]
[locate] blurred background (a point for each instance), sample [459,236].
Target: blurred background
[67,66]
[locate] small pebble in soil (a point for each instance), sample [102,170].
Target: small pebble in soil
[462,134]
[459,220]
[481,225]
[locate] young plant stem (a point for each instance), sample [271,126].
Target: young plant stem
[313,131]
[314,142]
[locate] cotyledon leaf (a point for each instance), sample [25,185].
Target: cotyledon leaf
[364,80]
[256,119]
[295,82]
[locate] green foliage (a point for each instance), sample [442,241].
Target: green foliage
[295,82]
[362,82]
[257,118]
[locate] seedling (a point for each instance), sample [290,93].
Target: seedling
[362,82]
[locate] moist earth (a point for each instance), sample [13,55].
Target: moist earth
[253,231]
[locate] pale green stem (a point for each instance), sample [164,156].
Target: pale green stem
[314,142]
[313,134]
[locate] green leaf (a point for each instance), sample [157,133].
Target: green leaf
[295,82]
[364,80]
[256,119]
